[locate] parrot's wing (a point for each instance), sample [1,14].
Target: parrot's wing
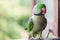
[30,25]
[45,23]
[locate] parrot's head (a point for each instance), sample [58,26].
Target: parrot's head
[39,9]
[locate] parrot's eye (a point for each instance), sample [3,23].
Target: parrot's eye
[44,10]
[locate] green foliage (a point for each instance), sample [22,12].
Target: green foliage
[23,21]
[25,3]
[9,28]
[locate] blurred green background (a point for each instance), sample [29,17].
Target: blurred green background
[14,15]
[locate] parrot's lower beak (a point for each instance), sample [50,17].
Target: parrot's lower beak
[43,10]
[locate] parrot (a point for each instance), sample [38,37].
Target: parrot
[37,22]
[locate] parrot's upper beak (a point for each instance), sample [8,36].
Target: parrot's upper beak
[43,10]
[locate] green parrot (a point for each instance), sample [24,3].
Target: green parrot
[37,22]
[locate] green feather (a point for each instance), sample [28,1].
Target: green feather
[40,6]
[30,25]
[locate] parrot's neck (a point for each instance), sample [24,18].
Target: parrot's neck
[39,14]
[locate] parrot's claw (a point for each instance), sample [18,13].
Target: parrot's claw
[36,39]
[32,38]
[40,38]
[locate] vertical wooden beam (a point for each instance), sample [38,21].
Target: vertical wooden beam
[58,18]
[55,26]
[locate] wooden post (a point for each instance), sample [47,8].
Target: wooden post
[58,18]
[55,27]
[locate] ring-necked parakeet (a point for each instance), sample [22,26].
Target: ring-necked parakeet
[37,22]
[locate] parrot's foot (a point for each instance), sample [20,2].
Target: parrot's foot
[32,38]
[36,38]
[40,38]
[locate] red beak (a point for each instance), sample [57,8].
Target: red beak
[43,10]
